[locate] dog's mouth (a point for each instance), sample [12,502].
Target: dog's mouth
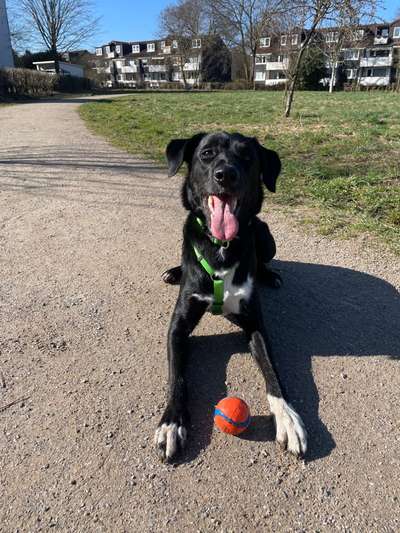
[223,209]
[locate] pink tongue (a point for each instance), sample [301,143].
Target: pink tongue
[224,224]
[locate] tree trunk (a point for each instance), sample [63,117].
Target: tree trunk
[185,85]
[293,81]
[54,54]
[253,70]
[332,78]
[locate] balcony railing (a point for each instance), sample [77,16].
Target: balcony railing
[157,68]
[381,40]
[191,66]
[381,81]
[276,65]
[376,61]
[129,69]
[275,82]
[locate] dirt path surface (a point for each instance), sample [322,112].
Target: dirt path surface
[85,231]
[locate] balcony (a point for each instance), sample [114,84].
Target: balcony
[275,82]
[129,70]
[157,68]
[376,61]
[191,66]
[276,65]
[381,40]
[375,81]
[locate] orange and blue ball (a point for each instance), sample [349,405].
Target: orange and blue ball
[232,415]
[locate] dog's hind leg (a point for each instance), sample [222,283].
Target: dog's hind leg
[267,276]
[172,276]
[265,252]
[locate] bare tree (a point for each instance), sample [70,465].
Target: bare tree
[60,25]
[314,14]
[243,23]
[182,23]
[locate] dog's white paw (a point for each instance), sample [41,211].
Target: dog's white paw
[290,431]
[169,439]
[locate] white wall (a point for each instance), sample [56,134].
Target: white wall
[6,57]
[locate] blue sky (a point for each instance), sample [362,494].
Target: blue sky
[138,19]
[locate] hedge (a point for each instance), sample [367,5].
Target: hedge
[20,82]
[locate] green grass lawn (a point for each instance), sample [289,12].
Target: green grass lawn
[340,152]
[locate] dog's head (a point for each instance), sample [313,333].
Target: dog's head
[224,182]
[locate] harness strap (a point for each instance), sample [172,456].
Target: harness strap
[218,284]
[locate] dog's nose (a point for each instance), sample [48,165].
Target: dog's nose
[225,176]
[219,175]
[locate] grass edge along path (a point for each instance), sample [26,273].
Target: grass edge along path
[340,152]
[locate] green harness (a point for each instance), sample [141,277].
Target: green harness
[218,283]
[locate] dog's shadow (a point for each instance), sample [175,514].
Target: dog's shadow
[320,311]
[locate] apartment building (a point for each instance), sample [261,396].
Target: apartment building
[369,56]
[156,62]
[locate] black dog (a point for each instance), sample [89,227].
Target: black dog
[225,249]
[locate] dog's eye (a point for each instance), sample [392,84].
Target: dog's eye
[207,154]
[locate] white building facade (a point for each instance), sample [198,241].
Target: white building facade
[6,55]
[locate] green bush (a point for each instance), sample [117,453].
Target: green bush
[21,82]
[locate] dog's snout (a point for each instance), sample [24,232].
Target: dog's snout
[226,175]
[219,175]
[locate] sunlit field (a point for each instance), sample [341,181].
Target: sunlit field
[340,152]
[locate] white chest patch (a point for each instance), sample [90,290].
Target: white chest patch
[233,294]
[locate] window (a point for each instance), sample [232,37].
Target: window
[263,59]
[260,75]
[380,72]
[332,37]
[99,51]
[281,58]
[118,48]
[396,32]
[295,39]
[382,32]
[277,75]
[135,48]
[265,42]
[108,49]
[378,53]
[351,54]
[351,73]
[162,44]
[151,47]
[283,40]
[196,43]
[174,44]
[358,35]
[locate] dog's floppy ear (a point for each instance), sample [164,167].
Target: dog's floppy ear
[180,150]
[270,166]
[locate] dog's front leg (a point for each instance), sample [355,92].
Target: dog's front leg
[290,431]
[171,432]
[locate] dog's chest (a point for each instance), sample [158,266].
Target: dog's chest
[233,294]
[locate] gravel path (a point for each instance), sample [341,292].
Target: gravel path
[85,231]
